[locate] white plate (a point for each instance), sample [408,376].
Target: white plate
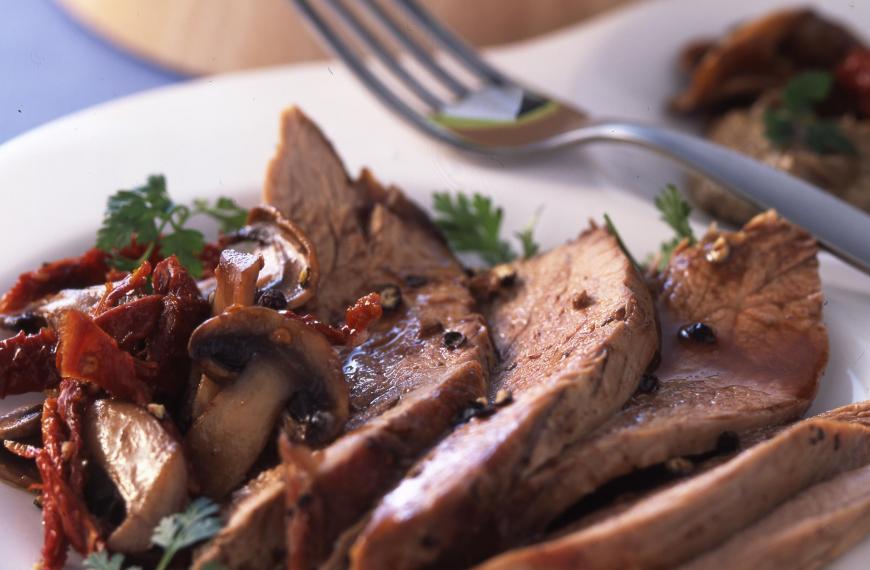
[216,136]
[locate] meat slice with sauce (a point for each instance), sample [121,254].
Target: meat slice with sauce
[685,520]
[807,532]
[755,362]
[575,332]
[423,363]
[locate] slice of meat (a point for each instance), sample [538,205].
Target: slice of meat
[249,539]
[807,532]
[574,335]
[763,304]
[685,520]
[407,383]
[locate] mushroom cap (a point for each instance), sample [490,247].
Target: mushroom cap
[269,364]
[290,264]
[145,463]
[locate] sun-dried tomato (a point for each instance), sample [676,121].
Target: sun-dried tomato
[115,292]
[183,310]
[27,363]
[61,467]
[363,313]
[74,272]
[87,352]
[133,322]
[170,277]
[211,255]
[357,319]
[853,74]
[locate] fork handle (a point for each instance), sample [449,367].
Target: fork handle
[840,227]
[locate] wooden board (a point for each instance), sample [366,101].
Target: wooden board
[213,36]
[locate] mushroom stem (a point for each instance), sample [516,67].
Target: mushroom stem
[225,441]
[236,276]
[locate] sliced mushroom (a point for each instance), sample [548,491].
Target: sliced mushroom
[46,312]
[21,423]
[17,471]
[144,462]
[268,363]
[290,264]
[205,391]
[236,277]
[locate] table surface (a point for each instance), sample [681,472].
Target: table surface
[50,66]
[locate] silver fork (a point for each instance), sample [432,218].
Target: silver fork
[484,111]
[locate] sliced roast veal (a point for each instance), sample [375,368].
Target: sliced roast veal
[762,303]
[253,535]
[408,381]
[807,532]
[574,334]
[685,520]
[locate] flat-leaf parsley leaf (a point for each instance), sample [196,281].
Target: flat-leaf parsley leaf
[675,212]
[794,122]
[148,216]
[473,225]
[173,533]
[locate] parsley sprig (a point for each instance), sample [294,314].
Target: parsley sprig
[675,212]
[473,225]
[149,216]
[104,561]
[611,229]
[174,533]
[794,123]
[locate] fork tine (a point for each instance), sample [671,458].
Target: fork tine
[359,29]
[364,74]
[422,55]
[452,43]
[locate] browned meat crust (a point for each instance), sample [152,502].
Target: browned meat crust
[685,520]
[407,382]
[574,335]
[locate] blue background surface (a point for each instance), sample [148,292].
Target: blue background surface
[50,66]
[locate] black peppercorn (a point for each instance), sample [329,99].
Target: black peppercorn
[728,442]
[453,339]
[697,332]
[272,299]
[649,383]
[415,281]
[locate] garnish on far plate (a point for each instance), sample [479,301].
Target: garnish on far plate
[795,123]
[148,216]
[173,533]
[473,225]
